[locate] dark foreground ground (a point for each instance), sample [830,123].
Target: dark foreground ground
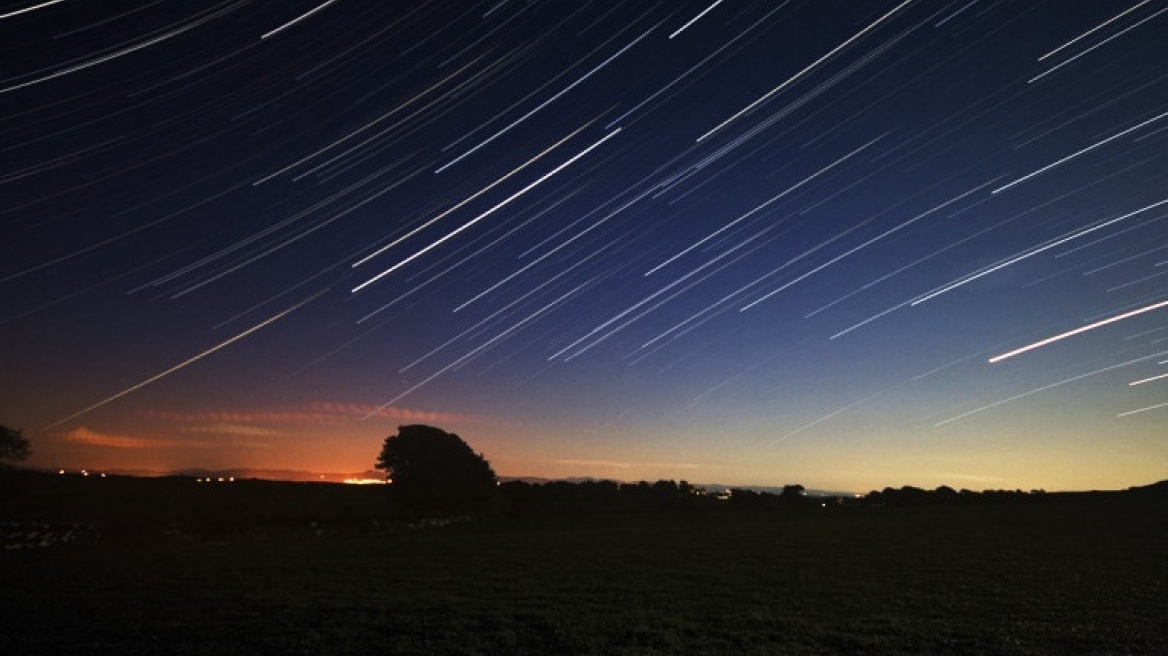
[1088,576]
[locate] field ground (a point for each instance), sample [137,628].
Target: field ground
[1088,577]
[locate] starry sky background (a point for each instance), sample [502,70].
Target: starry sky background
[742,242]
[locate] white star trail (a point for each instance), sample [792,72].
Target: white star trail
[485,214]
[186,27]
[862,246]
[490,317]
[225,343]
[1147,380]
[1094,29]
[810,67]
[30,8]
[1078,331]
[550,252]
[481,348]
[1092,48]
[955,14]
[298,19]
[393,112]
[1079,152]
[770,201]
[542,105]
[470,198]
[1145,409]
[695,19]
[1044,388]
[1031,253]
[698,66]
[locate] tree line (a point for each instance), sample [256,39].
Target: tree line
[587,497]
[431,471]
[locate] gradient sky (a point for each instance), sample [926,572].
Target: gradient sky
[737,242]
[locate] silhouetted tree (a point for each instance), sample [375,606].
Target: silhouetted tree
[432,471]
[13,446]
[793,491]
[742,498]
[794,496]
[946,495]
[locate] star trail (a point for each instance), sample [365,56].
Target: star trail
[846,244]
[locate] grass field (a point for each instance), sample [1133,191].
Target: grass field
[1087,577]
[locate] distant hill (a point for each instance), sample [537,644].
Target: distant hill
[709,487]
[537,480]
[1155,489]
[771,490]
[294,475]
[283,475]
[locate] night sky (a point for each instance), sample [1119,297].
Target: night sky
[736,242]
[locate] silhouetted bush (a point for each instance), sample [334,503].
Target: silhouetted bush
[945,495]
[13,445]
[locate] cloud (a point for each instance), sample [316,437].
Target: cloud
[318,413]
[247,417]
[87,437]
[679,465]
[224,428]
[595,463]
[629,465]
[362,410]
[971,477]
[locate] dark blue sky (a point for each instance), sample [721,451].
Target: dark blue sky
[722,241]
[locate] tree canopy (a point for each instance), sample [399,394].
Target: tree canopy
[13,446]
[432,471]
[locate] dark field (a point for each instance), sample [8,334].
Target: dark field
[1080,575]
